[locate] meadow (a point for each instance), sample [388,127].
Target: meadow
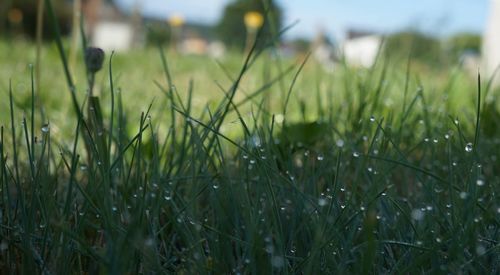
[251,164]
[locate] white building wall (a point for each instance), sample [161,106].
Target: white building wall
[111,36]
[362,51]
[491,40]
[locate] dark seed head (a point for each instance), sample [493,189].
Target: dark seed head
[94,58]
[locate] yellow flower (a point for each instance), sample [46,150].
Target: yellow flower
[176,21]
[253,20]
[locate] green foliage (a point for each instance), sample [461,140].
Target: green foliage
[231,28]
[460,43]
[28,8]
[421,47]
[158,34]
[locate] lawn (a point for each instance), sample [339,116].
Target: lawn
[190,165]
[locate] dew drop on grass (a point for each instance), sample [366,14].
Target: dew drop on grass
[480,182]
[83,167]
[245,157]
[417,214]
[45,128]
[435,140]
[463,195]
[372,119]
[320,157]
[215,186]
[322,202]
[355,154]
[446,136]
[4,245]
[277,261]
[480,250]
[114,208]
[468,147]
[167,198]
[340,143]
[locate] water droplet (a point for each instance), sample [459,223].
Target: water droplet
[438,240]
[446,136]
[45,128]
[114,208]
[322,202]
[355,154]
[417,214]
[480,250]
[429,208]
[370,169]
[320,157]
[463,195]
[252,161]
[435,140]
[167,198]
[480,182]
[342,206]
[215,186]
[340,143]
[277,261]
[245,157]
[362,208]
[4,245]
[83,167]
[468,147]
[372,119]
[149,242]
[426,139]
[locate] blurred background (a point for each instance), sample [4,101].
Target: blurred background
[435,32]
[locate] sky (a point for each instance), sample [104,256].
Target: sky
[334,17]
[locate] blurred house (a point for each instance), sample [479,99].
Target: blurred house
[197,39]
[323,50]
[111,28]
[360,48]
[491,44]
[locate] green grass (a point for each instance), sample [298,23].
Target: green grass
[367,171]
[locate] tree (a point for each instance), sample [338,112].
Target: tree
[28,13]
[231,27]
[419,46]
[462,43]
